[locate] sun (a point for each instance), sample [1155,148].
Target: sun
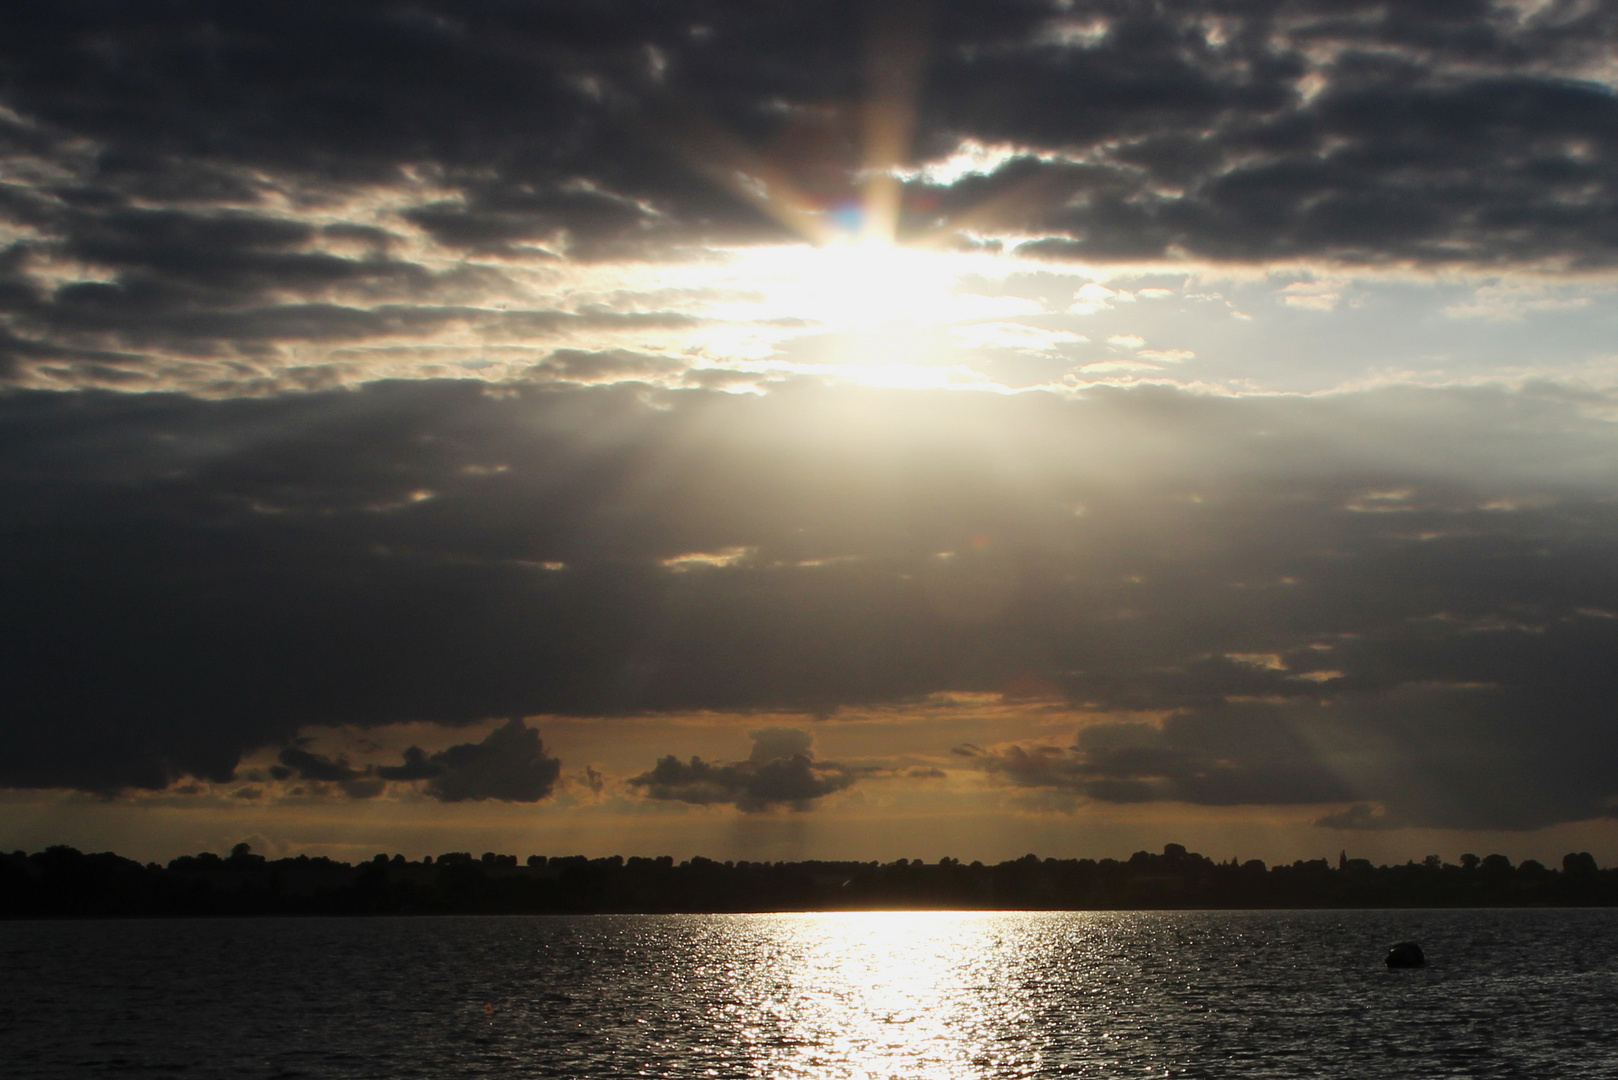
[859,310]
[865,294]
[870,287]
[873,307]
[862,310]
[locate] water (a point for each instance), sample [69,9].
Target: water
[878,995]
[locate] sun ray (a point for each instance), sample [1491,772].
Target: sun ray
[882,305]
[895,51]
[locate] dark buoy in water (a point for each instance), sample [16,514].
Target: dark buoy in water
[1406,954]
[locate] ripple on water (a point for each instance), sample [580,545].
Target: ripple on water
[855,995]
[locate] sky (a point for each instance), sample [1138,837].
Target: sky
[810,430]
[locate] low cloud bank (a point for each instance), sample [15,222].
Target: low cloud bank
[781,771]
[509,765]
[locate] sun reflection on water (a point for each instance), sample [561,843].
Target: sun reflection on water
[873,995]
[975,996]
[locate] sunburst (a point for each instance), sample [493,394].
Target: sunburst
[882,303]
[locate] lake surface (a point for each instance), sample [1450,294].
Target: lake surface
[881,995]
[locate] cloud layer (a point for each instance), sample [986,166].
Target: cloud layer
[445,316]
[219,198]
[1398,596]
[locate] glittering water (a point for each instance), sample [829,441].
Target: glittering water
[911,995]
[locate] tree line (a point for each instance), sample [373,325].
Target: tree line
[61,882]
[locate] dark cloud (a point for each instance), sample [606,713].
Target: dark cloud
[577,366]
[1488,736]
[310,766]
[781,770]
[204,197]
[1402,596]
[510,764]
[306,765]
[416,766]
[188,157]
[1361,817]
[1237,754]
[1361,132]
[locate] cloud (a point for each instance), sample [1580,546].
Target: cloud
[334,524]
[185,207]
[1276,135]
[310,766]
[1514,301]
[1361,817]
[781,770]
[305,765]
[574,366]
[1235,754]
[440,552]
[416,766]
[510,764]
[1313,295]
